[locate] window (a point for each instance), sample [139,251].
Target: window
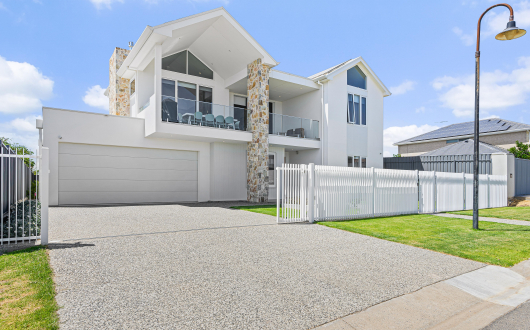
[132,87]
[454,141]
[350,161]
[187,91]
[356,161]
[169,105]
[363,162]
[350,109]
[363,110]
[356,78]
[175,62]
[357,112]
[197,68]
[271,169]
[205,100]
[185,62]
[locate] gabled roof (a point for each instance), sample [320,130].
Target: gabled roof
[486,126]
[465,148]
[213,36]
[328,74]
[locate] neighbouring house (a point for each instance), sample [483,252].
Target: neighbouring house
[198,113]
[498,132]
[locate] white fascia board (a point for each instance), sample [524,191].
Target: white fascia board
[350,64]
[460,137]
[288,77]
[138,46]
[167,30]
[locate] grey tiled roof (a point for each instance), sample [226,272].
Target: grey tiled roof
[322,73]
[465,148]
[486,126]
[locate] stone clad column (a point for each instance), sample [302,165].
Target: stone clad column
[258,124]
[119,102]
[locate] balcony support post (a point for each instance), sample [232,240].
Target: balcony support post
[258,125]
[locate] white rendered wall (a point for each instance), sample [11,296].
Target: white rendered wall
[228,163]
[374,124]
[504,164]
[92,128]
[145,84]
[336,136]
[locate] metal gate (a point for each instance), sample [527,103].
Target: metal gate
[23,196]
[522,177]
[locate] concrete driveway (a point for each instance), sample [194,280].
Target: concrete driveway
[205,266]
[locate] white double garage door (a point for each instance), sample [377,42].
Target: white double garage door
[96,174]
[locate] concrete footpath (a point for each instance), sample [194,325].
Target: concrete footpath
[499,220]
[470,301]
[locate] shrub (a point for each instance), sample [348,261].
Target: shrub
[23,220]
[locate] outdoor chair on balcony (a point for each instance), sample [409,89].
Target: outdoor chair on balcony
[209,120]
[297,132]
[220,121]
[229,122]
[197,119]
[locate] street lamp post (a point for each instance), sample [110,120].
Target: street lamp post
[511,32]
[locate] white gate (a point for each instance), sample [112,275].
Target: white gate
[23,196]
[327,193]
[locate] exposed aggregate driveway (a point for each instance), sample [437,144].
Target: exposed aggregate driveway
[205,266]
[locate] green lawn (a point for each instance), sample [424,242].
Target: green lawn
[27,294]
[495,243]
[263,209]
[515,213]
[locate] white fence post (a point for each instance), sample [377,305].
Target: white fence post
[464,188]
[311,193]
[278,193]
[488,177]
[373,191]
[44,177]
[434,194]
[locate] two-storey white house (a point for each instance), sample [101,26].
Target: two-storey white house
[198,113]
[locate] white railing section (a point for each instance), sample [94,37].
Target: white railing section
[23,196]
[327,193]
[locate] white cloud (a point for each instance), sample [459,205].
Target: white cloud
[22,131]
[467,39]
[395,134]
[94,97]
[404,87]
[491,117]
[420,110]
[498,90]
[496,20]
[22,87]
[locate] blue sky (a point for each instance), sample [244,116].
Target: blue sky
[55,53]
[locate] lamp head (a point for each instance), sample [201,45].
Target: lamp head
[511,32]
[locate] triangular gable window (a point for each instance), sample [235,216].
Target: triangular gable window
[356,77]
[185,62]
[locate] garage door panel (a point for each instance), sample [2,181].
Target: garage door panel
[79,198]
[120,186]
[80,173]
[94,174]
[99,150]
[67,160]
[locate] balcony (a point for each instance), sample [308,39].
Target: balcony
[191,112]
[284,125]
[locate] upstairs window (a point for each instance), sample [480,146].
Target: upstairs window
[356,78]
[356,109]
[187,63]
[350,161]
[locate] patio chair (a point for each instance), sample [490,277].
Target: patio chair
[220,121]
[209,120]
[290,132]
[197,119]
[300,132]
[179,116]
[229,121]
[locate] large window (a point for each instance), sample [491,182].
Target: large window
[350,161]
[356,161]
[356,78]
[356,109]
[271,169]
[185,62]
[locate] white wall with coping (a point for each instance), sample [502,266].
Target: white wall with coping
[99,129]
[228,163]
[504,164]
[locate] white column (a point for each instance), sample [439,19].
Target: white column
[44,184]
[158,84]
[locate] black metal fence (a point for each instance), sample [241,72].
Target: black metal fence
[452,164]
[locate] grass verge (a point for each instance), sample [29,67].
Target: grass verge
[514,213]
[494,243]
[27,294]
[263,209]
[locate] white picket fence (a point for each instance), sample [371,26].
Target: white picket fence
[327,193]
